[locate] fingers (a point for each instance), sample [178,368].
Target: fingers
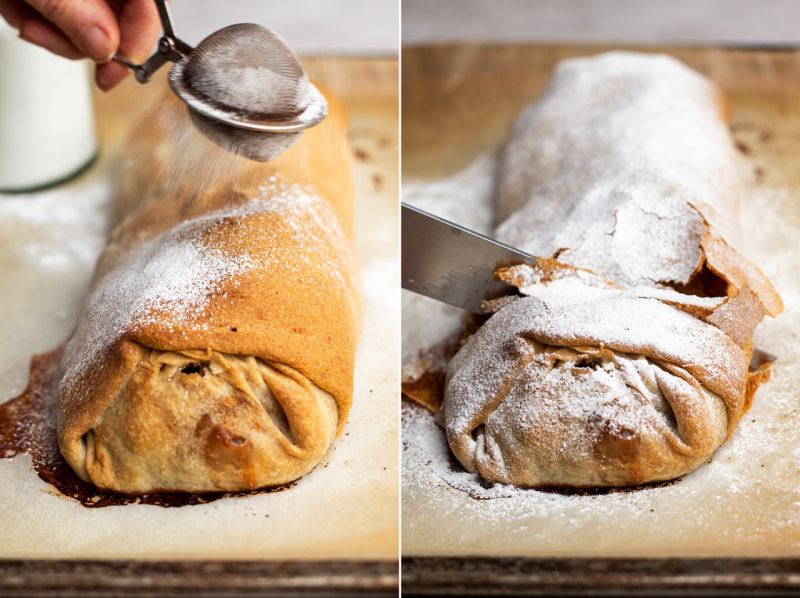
[43,34]
[36,30]
[15,12]
[93,28]
[89,24]
[139,27]
[108,75]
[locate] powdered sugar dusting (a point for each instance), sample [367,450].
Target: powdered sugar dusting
[594,369]
[604,172]
[318,240]
[172,275]
[170,280]
[624,145]
[710,512]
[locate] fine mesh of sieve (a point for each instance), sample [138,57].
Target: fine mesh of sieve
[246,73]
[248,70]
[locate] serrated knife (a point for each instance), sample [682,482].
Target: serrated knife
[445,261]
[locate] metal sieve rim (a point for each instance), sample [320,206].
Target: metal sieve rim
[316,110]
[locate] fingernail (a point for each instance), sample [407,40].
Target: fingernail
[108,75]
[95,43]
[101,78]
[23,35]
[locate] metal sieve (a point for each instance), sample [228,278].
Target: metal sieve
[245,89]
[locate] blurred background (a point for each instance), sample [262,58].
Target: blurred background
[334,27]
[762,22]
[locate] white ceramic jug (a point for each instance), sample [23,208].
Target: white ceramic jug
[47,131]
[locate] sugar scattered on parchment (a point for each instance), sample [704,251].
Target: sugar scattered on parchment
[55,229]
[49,243]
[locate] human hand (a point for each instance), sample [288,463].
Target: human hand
[96,29]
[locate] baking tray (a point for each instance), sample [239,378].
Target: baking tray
[732,526]
[334,532]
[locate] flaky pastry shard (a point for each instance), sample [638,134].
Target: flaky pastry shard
[625,360]
[216,348]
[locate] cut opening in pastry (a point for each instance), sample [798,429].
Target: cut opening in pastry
[705,283]
[590,363]
[195,368]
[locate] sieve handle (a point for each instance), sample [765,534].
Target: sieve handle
[170,48]
[165,15]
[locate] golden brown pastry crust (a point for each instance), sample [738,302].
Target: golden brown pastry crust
[270,326]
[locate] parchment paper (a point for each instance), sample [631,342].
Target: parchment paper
[458,104]
[347,508]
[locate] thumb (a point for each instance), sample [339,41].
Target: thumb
[89,24]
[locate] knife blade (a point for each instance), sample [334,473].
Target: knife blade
[450,263]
